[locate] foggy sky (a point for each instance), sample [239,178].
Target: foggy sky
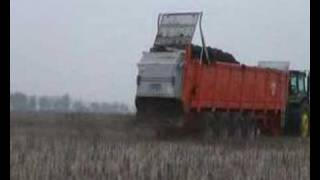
[89,48]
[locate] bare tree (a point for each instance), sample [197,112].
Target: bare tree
[95,107]
[61,104]
[32,103]
[45,103]
[78,106]
[19,101]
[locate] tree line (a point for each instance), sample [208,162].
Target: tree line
[31,103]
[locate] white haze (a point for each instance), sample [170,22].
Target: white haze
[89,49]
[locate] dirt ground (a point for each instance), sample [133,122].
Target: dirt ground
[85,146]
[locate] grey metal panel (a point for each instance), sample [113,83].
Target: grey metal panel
[279,65]
[166,90]
[160,57]
[156,71]
[176,28]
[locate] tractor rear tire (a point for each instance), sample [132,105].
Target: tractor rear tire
[304,120]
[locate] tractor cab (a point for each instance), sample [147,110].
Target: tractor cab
[299,86]
[298,109]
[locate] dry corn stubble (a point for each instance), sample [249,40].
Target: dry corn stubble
[50,146]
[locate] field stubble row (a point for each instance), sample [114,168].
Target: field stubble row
[84,146]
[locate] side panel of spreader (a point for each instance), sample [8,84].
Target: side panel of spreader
[229,86]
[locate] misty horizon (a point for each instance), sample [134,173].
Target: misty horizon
[89,49]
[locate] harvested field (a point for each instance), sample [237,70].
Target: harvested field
[84,146]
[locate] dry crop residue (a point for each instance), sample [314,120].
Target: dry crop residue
[49,146]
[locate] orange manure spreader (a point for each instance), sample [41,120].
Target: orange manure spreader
[184,88]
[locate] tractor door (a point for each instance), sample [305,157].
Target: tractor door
[298,110]
[309,87]
[298,87]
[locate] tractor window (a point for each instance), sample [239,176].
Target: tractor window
[293,84]
[301,82]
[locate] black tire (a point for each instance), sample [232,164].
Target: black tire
[291,121]
[224,125]
[232,125]
[207,120]
[294,119]
[237,125]
[216,125]
[252,127]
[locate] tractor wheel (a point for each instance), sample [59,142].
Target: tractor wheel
[304,123]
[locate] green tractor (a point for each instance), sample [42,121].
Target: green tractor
[297,121]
